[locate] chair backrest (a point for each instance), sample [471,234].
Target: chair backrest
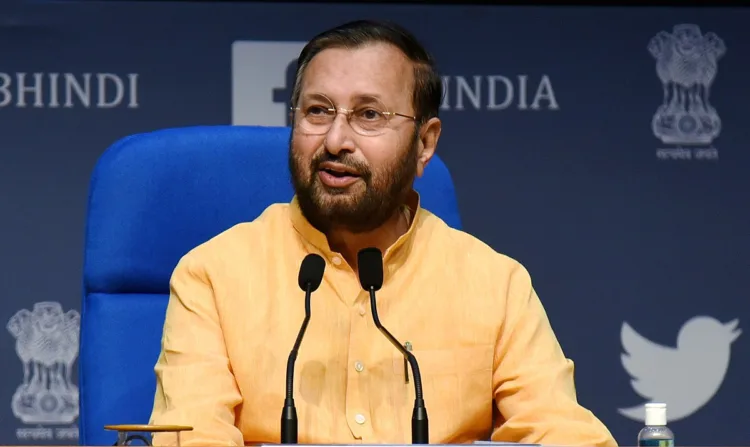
[152,198]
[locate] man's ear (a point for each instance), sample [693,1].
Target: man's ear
[429,135]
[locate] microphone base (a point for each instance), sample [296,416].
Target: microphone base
[420,426]
[289,425]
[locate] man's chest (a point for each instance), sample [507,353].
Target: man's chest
[265,312]
[347,367]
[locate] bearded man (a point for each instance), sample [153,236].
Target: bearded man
[365,124]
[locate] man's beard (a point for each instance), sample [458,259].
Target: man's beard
[364,210]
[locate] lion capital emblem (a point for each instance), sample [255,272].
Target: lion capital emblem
[687,64]
[47,344]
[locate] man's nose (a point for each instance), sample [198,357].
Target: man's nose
[339,137]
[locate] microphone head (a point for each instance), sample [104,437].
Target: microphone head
[370,266]
[311,272]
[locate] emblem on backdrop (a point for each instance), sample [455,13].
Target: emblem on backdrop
[47,345]
[687,65]
[685,377]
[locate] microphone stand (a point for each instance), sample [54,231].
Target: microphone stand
[419,421]
[289,412]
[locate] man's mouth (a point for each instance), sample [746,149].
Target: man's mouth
[338,170]
[339,174]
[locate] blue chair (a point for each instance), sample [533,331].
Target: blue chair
[152,198]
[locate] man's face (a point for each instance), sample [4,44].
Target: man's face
[350,176]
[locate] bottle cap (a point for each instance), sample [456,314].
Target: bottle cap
[656,414]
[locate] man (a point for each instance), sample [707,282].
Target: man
[365,123]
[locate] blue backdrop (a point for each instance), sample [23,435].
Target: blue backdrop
[604,148]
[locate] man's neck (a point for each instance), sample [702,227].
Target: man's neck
[349,244]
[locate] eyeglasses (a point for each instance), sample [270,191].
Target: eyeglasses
[316,115]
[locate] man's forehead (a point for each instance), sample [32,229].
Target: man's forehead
[375,71]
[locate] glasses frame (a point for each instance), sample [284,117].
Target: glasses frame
[348,113]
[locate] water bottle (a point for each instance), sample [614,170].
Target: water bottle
[656,433]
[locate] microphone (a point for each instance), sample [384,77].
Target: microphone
[310,277]
[370,266]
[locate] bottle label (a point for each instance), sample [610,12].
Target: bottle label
[656,443]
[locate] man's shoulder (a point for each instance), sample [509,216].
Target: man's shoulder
[472,254]
[265,230]
[488,278]
[456,239]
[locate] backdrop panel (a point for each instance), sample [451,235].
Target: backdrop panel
[604,148]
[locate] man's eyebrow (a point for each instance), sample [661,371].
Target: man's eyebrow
[315,95]
[365,97]
[355,99]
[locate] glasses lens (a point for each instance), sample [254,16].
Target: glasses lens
[369,119]
[315,115]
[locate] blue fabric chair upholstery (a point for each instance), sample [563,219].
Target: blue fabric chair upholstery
[152,198]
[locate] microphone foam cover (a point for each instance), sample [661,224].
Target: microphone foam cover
[370,266]
[311,272]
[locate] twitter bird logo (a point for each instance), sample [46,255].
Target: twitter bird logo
[685,377]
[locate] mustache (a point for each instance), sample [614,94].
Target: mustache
[346,159]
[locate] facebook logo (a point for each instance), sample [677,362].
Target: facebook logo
[283,94]
[262,82]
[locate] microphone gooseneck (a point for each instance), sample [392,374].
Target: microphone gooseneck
[295,350]
[420,433]
[310,277]
[370,268]
[409,356]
